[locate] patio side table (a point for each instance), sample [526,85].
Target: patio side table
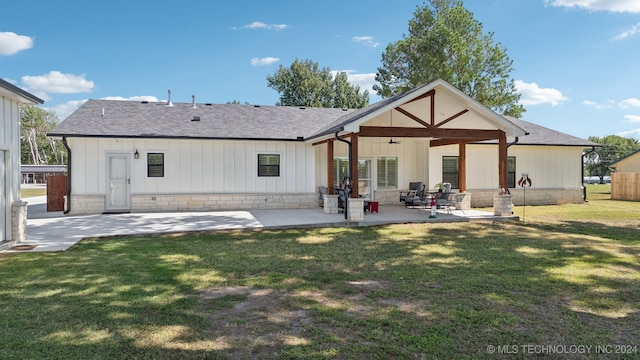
[373,206]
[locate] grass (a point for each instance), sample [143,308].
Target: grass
[569,276]
[31,192]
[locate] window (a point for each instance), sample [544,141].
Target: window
[269,165]
[451,170]
[387,172]
[511,171]
[340,169]
[155,165]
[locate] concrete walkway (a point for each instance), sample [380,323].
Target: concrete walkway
[55,232]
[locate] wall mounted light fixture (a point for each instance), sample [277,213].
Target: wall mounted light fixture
[136,154]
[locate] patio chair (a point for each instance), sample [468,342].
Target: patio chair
[414,187]
[417,199]
[448,199]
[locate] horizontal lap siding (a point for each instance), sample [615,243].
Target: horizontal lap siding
[194,166]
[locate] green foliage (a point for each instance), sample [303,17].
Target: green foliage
[446,42]
[304,83]
[36,147]
[614,148]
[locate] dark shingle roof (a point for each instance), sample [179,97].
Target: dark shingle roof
[112,118]
[21,93]
[540,135]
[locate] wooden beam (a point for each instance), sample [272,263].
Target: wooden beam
[412,117]
[354,165]
[428,93]
[330,172]
[432,115]
[387,131]
[452,117]
[443,142]
[330,139]
[462,172]
[502,160]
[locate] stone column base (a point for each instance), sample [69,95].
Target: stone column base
[330,204]
[19,221]
[502,205]
[356,209]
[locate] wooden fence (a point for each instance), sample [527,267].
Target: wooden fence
[56,190]
[625,186]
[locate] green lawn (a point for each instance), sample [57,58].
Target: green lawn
[31,192]
[568,280]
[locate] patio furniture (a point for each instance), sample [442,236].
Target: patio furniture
[415,194]
[447,199]
[373,206]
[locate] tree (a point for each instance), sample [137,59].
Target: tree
[304,83]
[446,42]
[614,148]
[36,147]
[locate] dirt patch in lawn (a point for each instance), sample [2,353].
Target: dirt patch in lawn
[249,322]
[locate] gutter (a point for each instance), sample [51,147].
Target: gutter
[66,146]
[584,188]
[350,162]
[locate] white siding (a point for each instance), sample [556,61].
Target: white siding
[10,158]
[194,166]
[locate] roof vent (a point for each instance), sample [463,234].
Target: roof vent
[208,104]
[256,105]
[169,103]
[196,118]
[193,101]
[144,102]
[302,108]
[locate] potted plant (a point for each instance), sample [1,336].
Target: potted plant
[439,186]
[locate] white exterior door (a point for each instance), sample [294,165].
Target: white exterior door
[118,182]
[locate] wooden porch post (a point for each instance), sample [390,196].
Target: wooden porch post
[330,173]
[502,160]
[462,174]
[354,165]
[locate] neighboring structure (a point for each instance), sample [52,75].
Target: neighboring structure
[625,178]
[37,174]
[13,211]
[140,156]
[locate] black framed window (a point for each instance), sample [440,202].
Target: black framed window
[340,169]
[269,165]
[451,170]
[155,165]
[511,171]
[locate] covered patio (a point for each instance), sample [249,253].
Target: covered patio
[411,137]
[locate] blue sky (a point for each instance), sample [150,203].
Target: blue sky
[576,62]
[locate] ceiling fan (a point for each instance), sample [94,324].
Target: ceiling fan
[391,141]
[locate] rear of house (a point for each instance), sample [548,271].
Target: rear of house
[140,156]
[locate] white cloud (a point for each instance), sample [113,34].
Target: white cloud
[57,83]
[625,34]
[261,25]
[64,110]
[264,61]
[12,43]
[632,102]
[148,98]
[532,94]
[365,81]
[622,6]
[632,118]
[630,134]
[366,41]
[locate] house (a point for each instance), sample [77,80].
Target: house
[144,156]
[625,178]
[13,211]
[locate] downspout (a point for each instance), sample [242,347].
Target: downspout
[508,146]
[66,146]
[349,145]
[584,188]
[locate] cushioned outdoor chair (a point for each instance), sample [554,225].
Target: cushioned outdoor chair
[417,198]
[414,187]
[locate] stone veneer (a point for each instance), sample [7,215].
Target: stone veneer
[484,197]
[19,221]
[95,204]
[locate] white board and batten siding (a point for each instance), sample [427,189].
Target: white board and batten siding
[194,166]
[9,163]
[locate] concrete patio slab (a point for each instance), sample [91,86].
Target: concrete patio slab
[56,232]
